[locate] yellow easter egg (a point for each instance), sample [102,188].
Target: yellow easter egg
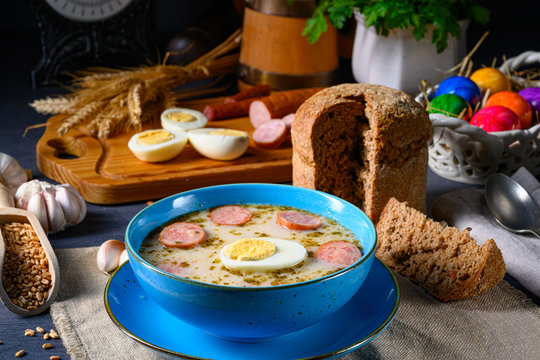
[492,79]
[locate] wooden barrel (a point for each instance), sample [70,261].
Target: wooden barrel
[274,52]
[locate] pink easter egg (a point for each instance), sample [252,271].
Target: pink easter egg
[496,118]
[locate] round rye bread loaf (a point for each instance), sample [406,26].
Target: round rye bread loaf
[364,144]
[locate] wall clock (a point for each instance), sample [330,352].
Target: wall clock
[88,10]
[76,34]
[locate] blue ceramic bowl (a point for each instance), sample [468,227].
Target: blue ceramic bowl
[250,313]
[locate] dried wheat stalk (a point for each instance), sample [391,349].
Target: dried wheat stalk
[58,105]
[80,116]
[134,106]
[110,101]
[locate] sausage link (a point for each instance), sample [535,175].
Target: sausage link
[228,110]
[278,105]
[252,92]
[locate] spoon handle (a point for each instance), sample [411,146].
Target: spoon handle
[536,232]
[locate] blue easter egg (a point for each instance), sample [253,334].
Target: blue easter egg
[462,86]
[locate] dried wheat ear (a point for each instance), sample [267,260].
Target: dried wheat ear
[108,101]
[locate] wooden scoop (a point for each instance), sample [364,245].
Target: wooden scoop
[8,213]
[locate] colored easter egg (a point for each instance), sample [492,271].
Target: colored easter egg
[492,79]
[514,102]
[496,118]
[532,95]
[462,86]
[451,105]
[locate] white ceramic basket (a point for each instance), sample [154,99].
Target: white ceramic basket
[465,153]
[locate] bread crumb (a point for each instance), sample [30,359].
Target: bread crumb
[445,261]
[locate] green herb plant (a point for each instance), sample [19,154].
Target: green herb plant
[386,15]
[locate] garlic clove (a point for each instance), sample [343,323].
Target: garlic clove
[71,202]
[82,203]
[71,206]
[36,204]
[23,194]
[26,190]
[123,257]
[108,255]
[55,214]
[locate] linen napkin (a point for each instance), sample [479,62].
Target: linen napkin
[424,328]
[80,316]
[467,208]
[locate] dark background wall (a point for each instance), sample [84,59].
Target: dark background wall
[514,28]
[20,45]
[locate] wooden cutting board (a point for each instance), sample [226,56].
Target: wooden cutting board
[106,172]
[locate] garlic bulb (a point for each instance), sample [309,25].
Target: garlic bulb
[11,173]
[56,206]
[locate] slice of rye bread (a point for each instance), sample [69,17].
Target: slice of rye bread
[445,261]
[363,143]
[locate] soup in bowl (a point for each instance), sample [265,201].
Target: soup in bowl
[250,262]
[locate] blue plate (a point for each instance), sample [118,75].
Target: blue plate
[362,319]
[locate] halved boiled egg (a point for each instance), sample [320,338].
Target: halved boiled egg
[262,254]
[157,145]
[219,143]
[181,119]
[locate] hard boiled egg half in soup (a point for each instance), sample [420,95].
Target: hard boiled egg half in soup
[157,145]
[262,254]
[181,119]
[219,143]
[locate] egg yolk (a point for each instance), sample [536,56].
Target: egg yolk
[154,137]
[227,132]
[251,249]
[181,117]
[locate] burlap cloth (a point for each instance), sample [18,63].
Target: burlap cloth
[501,324]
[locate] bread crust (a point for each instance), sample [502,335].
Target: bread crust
[364,143]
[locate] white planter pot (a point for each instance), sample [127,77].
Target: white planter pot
[400,61]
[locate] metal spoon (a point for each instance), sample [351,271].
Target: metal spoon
[511,205]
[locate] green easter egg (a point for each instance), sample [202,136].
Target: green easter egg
[451,105]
